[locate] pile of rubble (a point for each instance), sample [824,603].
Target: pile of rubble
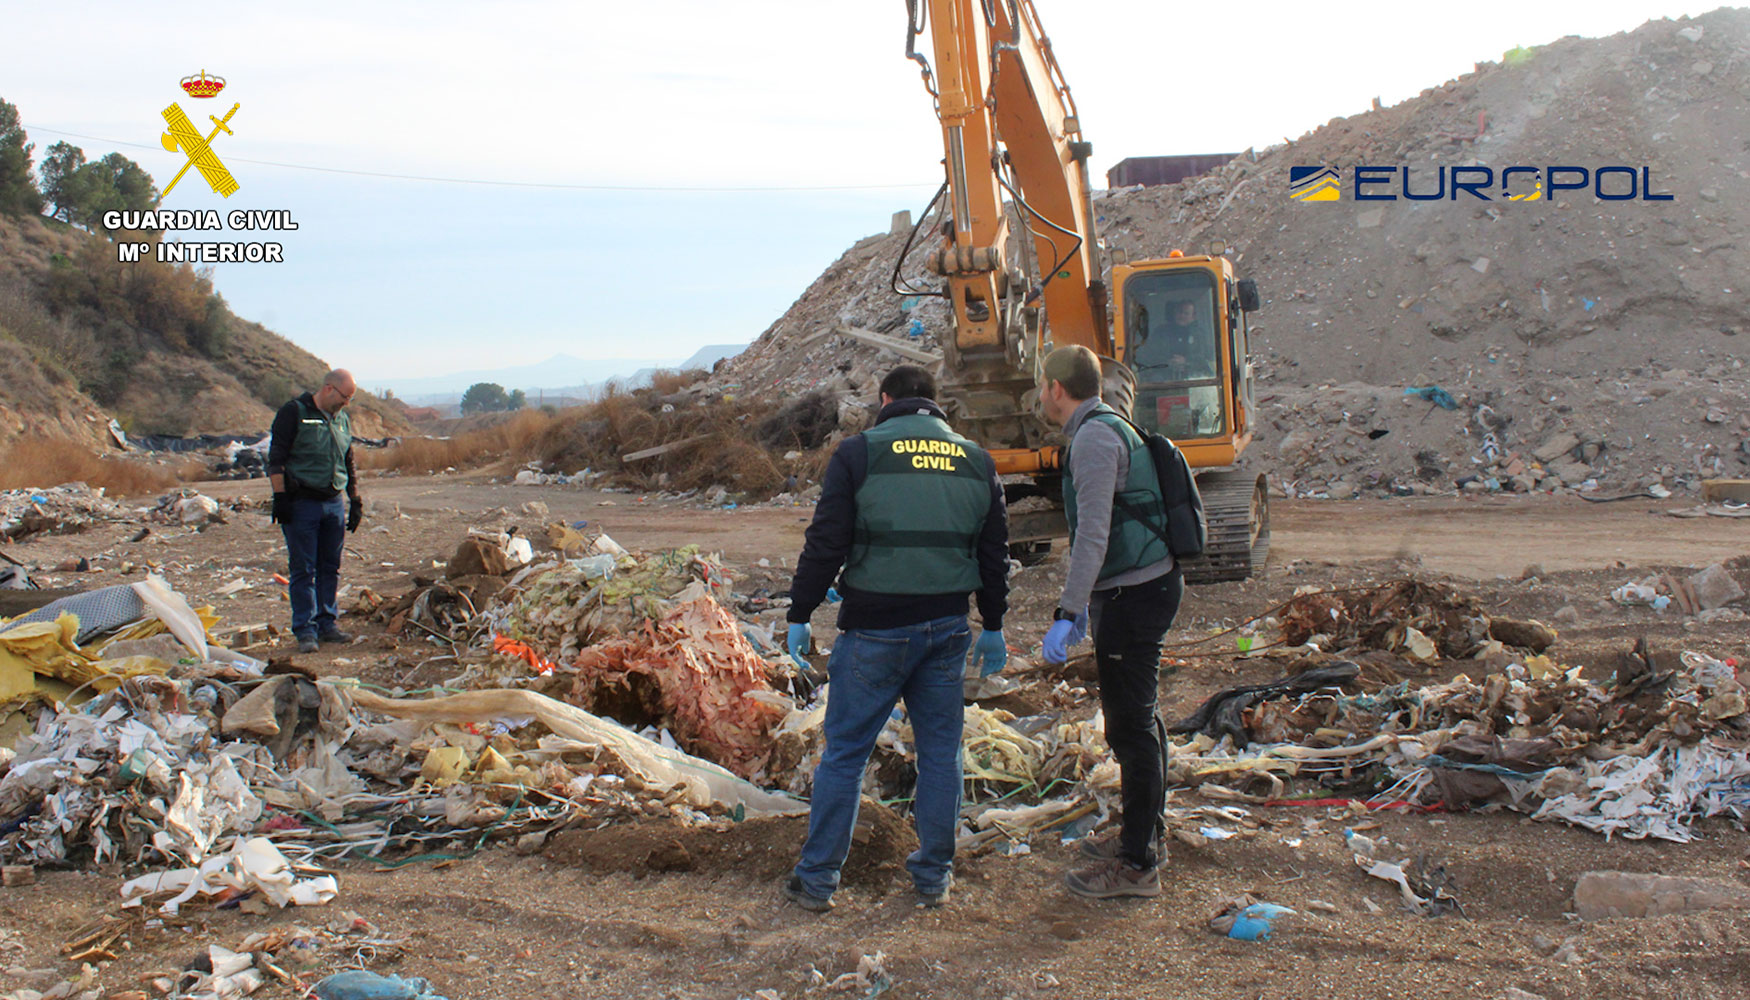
[1659,745]
[149,744]
[1565,361]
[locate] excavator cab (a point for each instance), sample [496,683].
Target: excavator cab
[1012,142]
[1181,330]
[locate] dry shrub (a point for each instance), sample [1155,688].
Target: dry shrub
[38,463]
[726,451]
[667,382]
[727,441]
[804,423]
[514,438]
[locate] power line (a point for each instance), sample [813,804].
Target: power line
[490,183]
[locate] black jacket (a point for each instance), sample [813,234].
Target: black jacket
[285,428]
[828,544]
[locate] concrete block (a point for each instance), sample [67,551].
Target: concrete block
[1599,895]
[1715,588]
[1556,447]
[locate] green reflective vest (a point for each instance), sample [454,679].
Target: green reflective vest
[1132,543]
[318,453]
[920,510]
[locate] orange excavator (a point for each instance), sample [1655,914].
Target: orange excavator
[1171,333]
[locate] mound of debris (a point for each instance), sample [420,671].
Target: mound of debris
[1576,341]
[1663,743]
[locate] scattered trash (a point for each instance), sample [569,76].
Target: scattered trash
[255,865]
[1245,919]
[1424,887]
[1433,394]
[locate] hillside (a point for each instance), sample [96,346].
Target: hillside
[1621,323]
[84,339]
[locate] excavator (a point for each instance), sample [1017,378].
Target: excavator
[1171,333]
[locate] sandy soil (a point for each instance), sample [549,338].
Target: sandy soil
[656,910]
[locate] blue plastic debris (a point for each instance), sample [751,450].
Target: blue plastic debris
[917,328]
[1433,394]
[1253,923]
[1244,919]
[357,984]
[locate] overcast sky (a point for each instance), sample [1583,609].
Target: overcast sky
[810,101]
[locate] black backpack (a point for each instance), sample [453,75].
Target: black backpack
[1187,531]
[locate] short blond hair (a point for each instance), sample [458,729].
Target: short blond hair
[1075,368]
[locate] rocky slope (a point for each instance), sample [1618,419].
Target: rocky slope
[1617,329]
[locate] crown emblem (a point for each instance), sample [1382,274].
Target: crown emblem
[203,85]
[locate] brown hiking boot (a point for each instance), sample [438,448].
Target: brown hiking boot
[1112,879]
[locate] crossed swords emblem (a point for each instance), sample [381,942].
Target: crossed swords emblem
[198,149]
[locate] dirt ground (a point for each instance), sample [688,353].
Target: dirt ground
[657,910]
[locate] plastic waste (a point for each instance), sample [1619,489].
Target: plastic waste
[595,566]
[1637,593]
[1245,919]
[358,984]
[1360,844]
[1253,923]
[1433,394]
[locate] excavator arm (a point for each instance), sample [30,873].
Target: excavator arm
[1009,132]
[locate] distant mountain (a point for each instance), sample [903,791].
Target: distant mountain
[558,370]
[705,357]
[561,376]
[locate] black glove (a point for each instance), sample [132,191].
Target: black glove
[355,512]
[282,509]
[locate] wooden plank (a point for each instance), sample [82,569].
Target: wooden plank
[906,351]
[663,449]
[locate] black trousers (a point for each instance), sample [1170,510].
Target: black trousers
[1128,624]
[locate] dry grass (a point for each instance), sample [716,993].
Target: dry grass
[38,463]
[735,443]
[666,381]
[508,439]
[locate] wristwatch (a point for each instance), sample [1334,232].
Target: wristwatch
[1061,615]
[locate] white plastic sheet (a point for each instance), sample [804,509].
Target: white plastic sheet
[660,767]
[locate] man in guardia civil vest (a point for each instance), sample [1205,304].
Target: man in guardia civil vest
[910,522]
[1123,585]
[309,463]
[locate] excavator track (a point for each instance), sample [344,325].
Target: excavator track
[1236,505]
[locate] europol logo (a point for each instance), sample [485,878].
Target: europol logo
[196,147]
[1314,184]
[1517,183]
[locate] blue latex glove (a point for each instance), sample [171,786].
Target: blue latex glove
[800,639]
[833,596]
[991,651]
[1058,639]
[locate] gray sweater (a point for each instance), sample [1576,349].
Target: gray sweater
[1098,462]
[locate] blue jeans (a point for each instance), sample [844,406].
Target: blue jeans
[870,670]
[315,541]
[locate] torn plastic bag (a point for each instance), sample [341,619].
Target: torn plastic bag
[1221,715]
[253,864]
